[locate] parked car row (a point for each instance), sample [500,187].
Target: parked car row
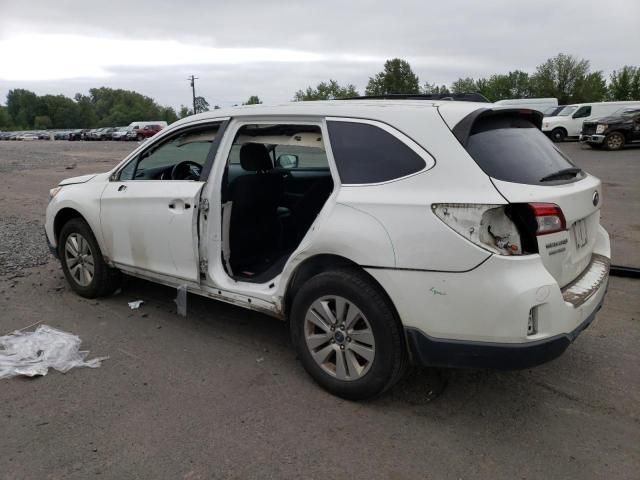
[25,136]
[135,131]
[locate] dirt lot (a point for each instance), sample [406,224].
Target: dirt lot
[221,395]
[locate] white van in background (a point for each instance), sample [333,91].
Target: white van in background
[568,122]
[541,104]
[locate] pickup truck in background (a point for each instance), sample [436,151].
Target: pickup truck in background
[143,133]
[613,132]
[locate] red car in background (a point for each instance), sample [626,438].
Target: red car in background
[143,133]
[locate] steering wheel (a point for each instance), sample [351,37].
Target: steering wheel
[186,170]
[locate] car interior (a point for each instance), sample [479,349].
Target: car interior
[276,181]
[179,158]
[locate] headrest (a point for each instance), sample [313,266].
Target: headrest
[254,157]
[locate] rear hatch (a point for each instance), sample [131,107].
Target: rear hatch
[527,168]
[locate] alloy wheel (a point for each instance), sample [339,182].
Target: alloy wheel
[339,338]
[79,259]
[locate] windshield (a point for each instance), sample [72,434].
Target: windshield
[568,110]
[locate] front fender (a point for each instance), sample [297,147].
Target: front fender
[84,198]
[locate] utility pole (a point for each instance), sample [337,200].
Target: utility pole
[193,89]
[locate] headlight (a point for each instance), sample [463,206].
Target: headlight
[601,128]
[53,192]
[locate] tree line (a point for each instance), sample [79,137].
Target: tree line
[564,77]
[101,108]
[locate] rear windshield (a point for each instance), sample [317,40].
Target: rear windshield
[512,149]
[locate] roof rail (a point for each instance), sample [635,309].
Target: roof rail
[458,97]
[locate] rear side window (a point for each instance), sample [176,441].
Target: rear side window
[512,149]
[368,154]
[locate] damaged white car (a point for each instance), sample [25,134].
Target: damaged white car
[386,231]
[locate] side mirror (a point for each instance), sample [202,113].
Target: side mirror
[287,160]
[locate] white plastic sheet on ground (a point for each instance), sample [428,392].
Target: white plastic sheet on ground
[33,353]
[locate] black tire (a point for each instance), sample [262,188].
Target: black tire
[558,134]
[614,141]
[140,138]
[105,280]
[390,359]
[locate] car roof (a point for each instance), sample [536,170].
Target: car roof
[372,109]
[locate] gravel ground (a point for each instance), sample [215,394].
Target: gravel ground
[19,156]
[22,245]
[220,394]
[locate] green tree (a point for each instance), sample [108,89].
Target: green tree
[22,106]
[121,107]
[397,77]
[184,111]
[568,79]
[624,84]
[591,88]
[201,105]
[168,114]
[330,90]
[464,85]
[515,84]
[62,111]
[432,88]
[86,114]
[253,100]
[42,122]
[5,119]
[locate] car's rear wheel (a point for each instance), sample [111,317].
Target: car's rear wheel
[347,335]
[558,134]
[82,262]
[140,138]
[614,141]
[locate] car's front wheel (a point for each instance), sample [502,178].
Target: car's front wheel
[614,141]
[347,335]
[82,262]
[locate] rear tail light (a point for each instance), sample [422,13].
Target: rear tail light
[549,218]
[488,226]
[503,229]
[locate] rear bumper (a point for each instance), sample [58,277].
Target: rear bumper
[481,317]
[428,351]
[591,138]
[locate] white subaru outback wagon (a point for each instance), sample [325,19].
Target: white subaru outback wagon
[440,233]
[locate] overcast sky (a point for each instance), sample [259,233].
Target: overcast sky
[271,48]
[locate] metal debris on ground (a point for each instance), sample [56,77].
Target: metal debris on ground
[181,300]
[136,304]
[33,353]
